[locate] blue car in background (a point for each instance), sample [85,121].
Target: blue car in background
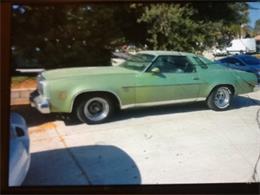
[243,62]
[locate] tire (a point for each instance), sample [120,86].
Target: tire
[220,98]
[94,109]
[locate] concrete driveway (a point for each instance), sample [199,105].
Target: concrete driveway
[174,144]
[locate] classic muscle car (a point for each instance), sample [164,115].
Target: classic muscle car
[145,79]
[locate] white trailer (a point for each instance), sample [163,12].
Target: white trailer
[238,46]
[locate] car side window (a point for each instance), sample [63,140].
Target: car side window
[173,64]
[224,60]
[233,61]
[200,62]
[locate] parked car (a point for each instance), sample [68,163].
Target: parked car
[243,62]
[19,154]
[145,79]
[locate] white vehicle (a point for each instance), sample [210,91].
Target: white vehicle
[219,52]
[19,154]
[238,46]
[117,61]
[242,46]
[118,58]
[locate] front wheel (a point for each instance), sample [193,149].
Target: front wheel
[220,98]
[94,109]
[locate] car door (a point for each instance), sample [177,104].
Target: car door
[176,81]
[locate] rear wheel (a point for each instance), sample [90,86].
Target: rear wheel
[220,98]
[94,109]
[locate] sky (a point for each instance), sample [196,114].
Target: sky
[254,14]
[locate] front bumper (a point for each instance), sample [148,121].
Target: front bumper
[257,87]
[39,102]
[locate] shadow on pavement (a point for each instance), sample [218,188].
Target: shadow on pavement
[238,102]
[242,101]
[33,117]
[159,110]
[86,165]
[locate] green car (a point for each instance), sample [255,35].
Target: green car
[146,79]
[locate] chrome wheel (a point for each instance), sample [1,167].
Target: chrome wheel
[222,97]
[96,109]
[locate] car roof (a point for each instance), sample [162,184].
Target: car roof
[162,52]
[239,56]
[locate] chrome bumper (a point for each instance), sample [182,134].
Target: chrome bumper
[40,103]
[257,87]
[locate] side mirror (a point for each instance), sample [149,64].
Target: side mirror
[155,70]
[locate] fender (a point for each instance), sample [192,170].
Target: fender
[91,91]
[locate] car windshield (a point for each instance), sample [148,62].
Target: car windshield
[249,60]
[138,62]
[205,60]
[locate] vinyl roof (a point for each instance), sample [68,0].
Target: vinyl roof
[162,52]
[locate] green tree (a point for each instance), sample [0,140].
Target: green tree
[85,35]
[192,27]
[64,36]
[171,27]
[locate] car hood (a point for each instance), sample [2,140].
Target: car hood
[255,67]
[85,71]
[246,68]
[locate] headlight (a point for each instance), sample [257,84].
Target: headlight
[40,87]
[40,84]
[40,78]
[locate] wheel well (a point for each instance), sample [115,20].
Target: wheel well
[231,87]
[96,93]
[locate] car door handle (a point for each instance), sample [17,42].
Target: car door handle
[196,78]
